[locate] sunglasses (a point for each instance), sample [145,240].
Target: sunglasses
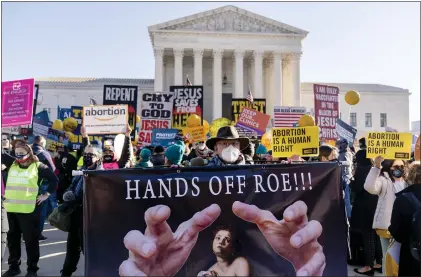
[91,155]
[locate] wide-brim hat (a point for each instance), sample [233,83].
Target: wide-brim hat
[227,133]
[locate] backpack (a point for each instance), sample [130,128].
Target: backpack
[415,235]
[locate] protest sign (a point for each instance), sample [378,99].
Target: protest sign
[302,141]
[186,191]
[237,106]
[195,134]
[345,131]
[123,95]
[107,119]
[73,132]
[417,149]
[326,109]
[64,113]
[41,124]
[253,120]
[55,139]
[164,137]
[156,112]
[284,116]
[187,100]
[17,102]
[389,145]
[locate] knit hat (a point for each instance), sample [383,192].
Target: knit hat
[261,150]
[174,153]
[198,161]
[97,143]
[145,154]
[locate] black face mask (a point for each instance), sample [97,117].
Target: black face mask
[87,161]
[397,173]
[108,158]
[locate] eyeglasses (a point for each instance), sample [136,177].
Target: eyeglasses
[397,167]
[91,155]
[229,143]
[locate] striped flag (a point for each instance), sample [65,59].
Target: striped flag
[287,116]
[188,81]
[250,96]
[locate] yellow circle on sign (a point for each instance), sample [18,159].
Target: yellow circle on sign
[137,118]
[193,121]
[352,97]
[70,124]
[306,120]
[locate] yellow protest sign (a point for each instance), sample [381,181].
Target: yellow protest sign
[195,134]
[303,141]
[389,145]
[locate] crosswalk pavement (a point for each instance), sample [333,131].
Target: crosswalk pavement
[53,252]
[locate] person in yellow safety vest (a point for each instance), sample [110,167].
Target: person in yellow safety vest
[22,203]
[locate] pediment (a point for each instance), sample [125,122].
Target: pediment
[228,19]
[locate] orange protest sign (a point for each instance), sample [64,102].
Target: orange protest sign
[253,120]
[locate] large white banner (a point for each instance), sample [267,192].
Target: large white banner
[106,119]
[156,112]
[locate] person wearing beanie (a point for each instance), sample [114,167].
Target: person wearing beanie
[198,161]
[145,159]
[158,157]
[174,154]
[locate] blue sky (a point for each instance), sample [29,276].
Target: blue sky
[348,42]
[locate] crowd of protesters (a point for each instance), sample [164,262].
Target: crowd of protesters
[375,205]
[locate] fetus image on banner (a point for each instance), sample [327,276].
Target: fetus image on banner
[160,252]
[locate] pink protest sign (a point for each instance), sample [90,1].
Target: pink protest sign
[17,102]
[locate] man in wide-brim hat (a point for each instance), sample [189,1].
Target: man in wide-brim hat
[227,146]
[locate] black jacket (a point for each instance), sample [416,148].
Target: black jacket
[365,203]
[400,226]
[43,156]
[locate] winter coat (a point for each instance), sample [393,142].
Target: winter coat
[364,203]
[386,190]
[43,156]
[144,164]
[400,229]
[216,161]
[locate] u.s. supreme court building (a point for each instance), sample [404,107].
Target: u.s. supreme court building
[229,50]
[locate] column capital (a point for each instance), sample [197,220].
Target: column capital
[218,53]
[295,56]
[239,54]
[178,52]
[277,54]
[258,54]
[198,52]
[158,51]
[267,62]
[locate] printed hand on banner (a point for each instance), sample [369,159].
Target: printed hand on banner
[128,130]
[159,251]
[293,238]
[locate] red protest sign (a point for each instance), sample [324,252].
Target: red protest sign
[253,120]
[326,109]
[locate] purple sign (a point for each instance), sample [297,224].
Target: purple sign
[17,102]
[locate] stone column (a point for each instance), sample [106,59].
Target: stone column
[295,78]
[217,83]
[178,66]
[239,74]
[258,74]
[198,67]
[277,78]
[159,69]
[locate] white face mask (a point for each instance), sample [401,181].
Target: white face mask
[201,146]
[230,154]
